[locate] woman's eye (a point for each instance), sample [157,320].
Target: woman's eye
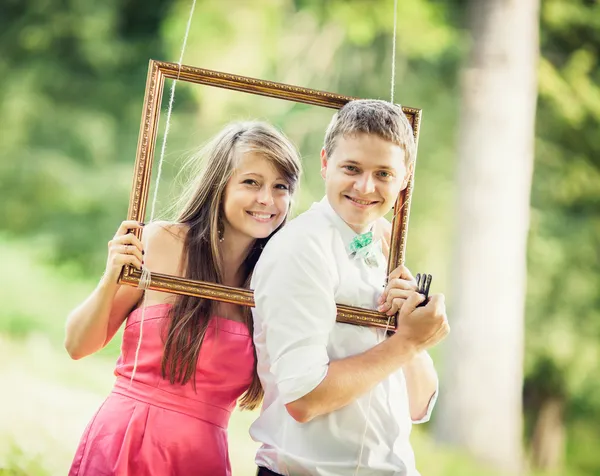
[250,182]
[282,186]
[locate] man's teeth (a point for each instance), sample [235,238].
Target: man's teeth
[362,202]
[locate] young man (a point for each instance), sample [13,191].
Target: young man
[341,398]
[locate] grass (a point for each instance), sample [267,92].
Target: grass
[48,399]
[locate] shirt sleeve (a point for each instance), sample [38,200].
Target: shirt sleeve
[294,298]
[430,405]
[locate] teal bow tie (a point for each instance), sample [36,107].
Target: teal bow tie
[360,241]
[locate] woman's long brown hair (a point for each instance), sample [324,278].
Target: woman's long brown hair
[202,211]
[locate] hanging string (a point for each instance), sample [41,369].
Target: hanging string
[387,326]
[146,276]
[393,80]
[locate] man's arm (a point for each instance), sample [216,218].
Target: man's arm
[348,379]
[419,372]
[294,315]
[422,386]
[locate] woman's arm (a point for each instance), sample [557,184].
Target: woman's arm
[92,324]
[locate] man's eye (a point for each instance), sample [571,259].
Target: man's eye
[384,174]
[351,168]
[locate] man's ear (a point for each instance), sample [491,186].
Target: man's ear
[323,163]
[408,175]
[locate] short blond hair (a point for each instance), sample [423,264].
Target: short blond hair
[372,116]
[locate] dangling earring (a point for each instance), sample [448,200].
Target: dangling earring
[220,231]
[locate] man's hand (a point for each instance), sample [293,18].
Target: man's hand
[422,327]
[401,284]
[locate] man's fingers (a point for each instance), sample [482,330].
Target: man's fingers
[390,297]
[396,306]
[401,272]
[439,335]
[412,302]
[399,283]
[437,303]
[397,293]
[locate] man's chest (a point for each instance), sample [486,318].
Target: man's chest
[358,285]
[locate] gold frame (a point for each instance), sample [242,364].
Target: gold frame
[157,73]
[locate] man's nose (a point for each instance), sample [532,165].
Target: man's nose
[365,184]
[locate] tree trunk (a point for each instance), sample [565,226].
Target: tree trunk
[548,443]
[480,403]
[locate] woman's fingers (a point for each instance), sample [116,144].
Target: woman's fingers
[129,250]
[122,259]
[128,225]
[126,245]
[129,239]
[124,249]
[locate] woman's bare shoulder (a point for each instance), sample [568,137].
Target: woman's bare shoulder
[163,246]
[165,232]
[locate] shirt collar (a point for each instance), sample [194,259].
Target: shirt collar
[347,233]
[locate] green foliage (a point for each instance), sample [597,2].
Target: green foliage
[563,302]
[19,463]
[563,313]
[72,77]
[66,119]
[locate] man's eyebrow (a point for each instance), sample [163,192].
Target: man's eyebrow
[354,162]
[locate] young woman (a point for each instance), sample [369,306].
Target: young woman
[196,356]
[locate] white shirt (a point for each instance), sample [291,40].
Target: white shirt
[303,271]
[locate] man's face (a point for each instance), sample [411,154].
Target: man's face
[363,178]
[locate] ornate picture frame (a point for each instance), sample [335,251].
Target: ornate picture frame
[157,73]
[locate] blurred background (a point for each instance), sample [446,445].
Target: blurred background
[505,212]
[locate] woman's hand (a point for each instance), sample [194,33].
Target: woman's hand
[124,248]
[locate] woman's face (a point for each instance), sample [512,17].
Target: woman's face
[256,199]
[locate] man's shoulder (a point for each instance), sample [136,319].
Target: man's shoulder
[309,229]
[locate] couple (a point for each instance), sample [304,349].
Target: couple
[338,399]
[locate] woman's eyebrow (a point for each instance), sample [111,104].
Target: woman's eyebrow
[262,176]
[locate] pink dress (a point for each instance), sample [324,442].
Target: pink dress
[149,427]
